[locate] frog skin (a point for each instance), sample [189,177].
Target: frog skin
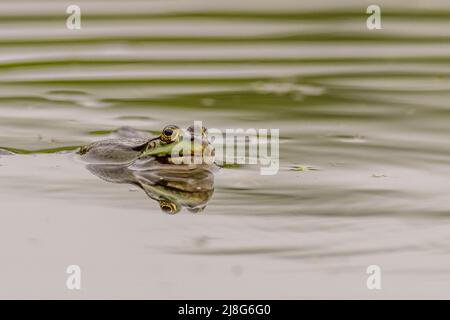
[173,146]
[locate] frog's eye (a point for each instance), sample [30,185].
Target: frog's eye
[169,206]
[170,134]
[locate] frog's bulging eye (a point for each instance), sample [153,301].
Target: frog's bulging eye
[170,134]
[169,207]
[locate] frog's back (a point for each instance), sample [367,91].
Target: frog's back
[113,151]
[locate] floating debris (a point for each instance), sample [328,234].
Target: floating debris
[303,168]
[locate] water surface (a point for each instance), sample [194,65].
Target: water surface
[368,109]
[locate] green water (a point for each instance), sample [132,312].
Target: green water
[368,108]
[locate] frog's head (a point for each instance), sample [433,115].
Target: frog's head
[178,146]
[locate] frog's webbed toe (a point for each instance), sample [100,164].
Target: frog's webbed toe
[170,207]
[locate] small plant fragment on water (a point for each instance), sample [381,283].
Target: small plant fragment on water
[303,168]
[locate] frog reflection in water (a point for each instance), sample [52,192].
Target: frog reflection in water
[148,163]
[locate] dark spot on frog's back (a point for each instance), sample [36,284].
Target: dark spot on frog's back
[82,151]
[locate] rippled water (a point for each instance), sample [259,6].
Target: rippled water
[368,109]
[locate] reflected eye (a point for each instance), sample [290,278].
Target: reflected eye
[170,134]
[169,207]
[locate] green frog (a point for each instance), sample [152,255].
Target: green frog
[161,166]
[173,146]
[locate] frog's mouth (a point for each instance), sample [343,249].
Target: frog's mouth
[176,147]
[192,152]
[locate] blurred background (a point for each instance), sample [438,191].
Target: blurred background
[368,110]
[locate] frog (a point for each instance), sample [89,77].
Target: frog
[173,145]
